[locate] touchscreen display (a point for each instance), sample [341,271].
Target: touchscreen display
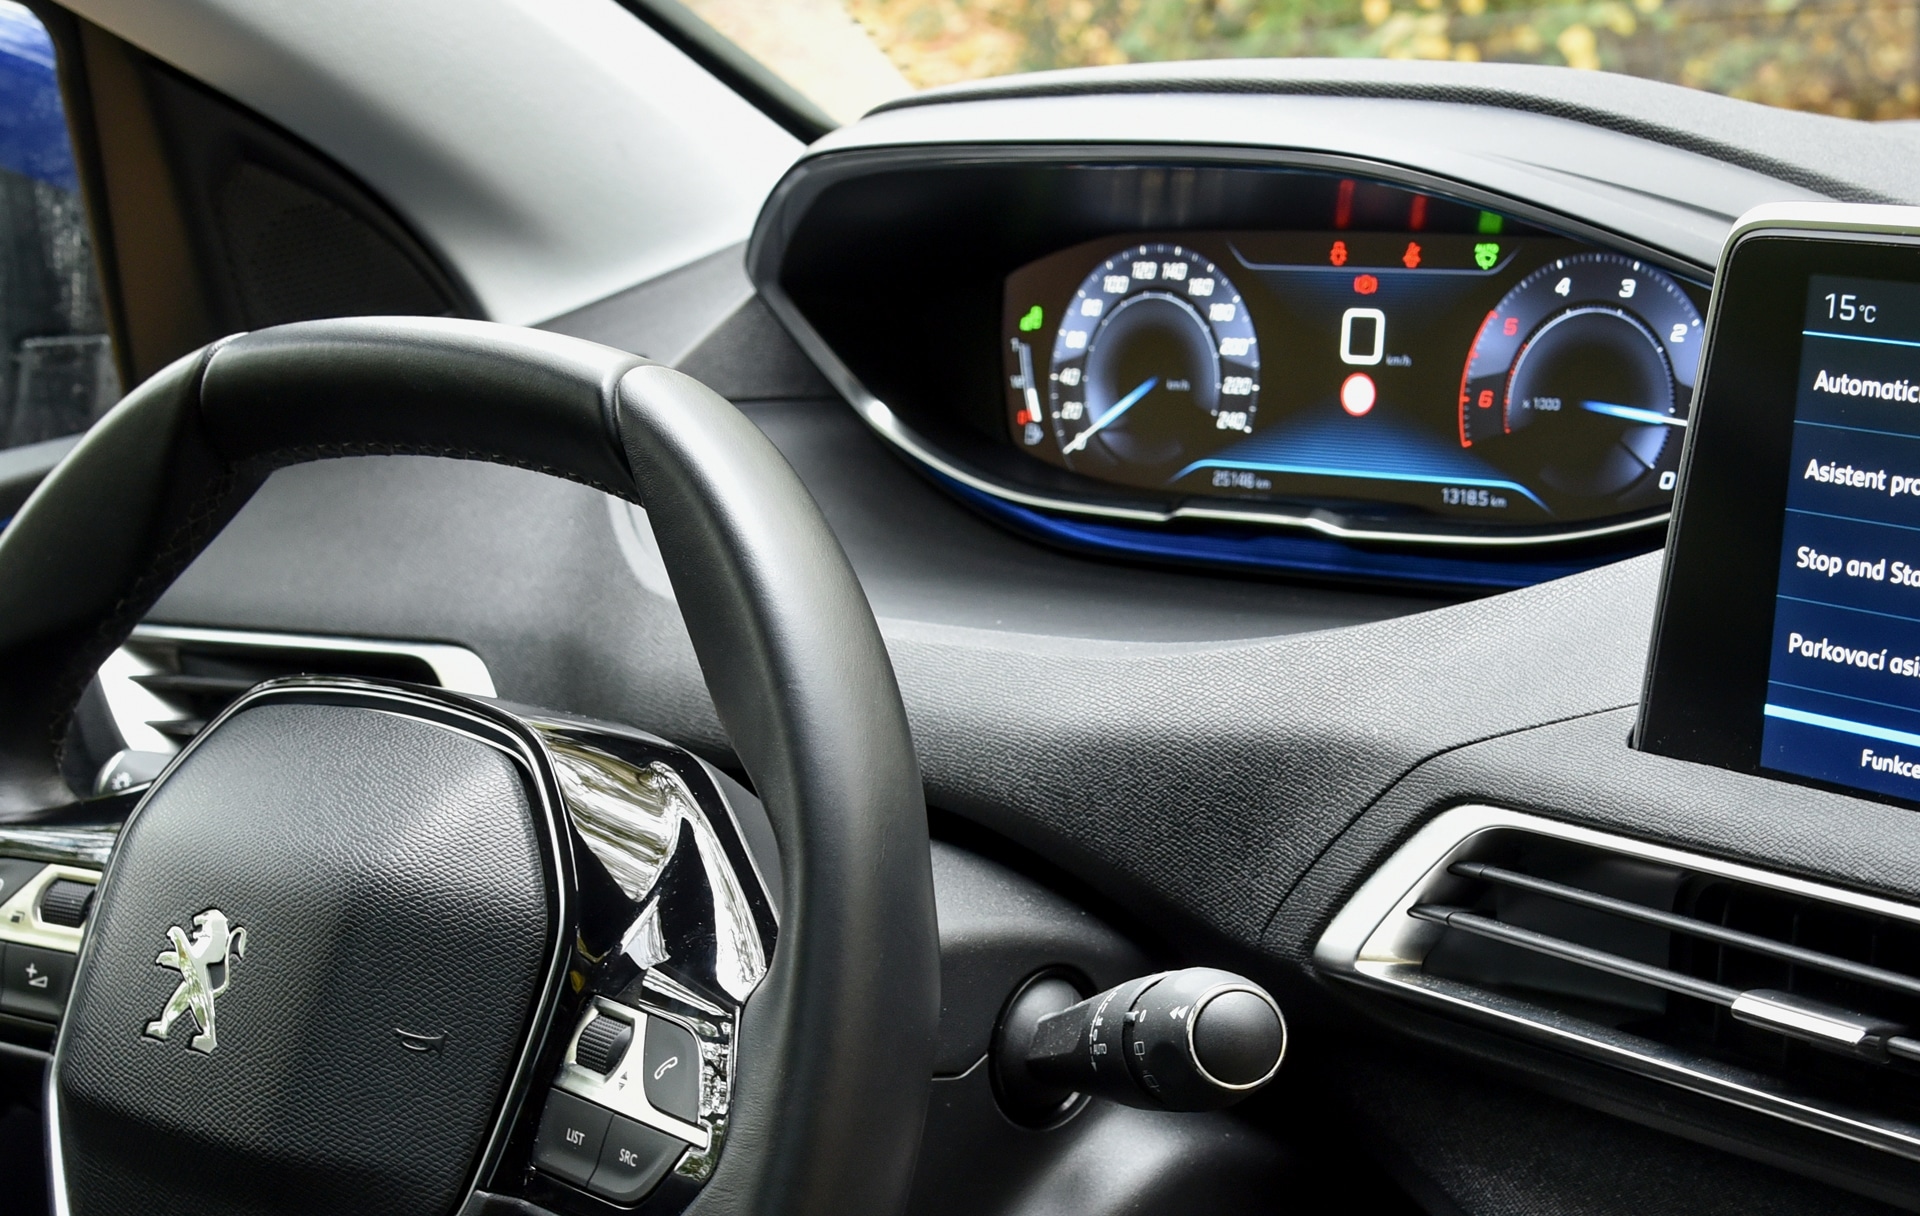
[1843,684]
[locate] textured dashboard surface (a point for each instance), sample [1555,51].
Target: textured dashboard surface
[1196,776]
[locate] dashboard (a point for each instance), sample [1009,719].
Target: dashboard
[1250,767]
[1307,368]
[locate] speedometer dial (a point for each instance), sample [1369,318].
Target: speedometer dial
[1580,377]
[1154,364]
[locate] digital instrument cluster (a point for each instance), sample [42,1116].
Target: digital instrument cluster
[1442,361]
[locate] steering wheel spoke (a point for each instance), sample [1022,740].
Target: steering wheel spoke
[374,947]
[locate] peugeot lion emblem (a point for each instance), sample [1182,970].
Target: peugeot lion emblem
[204,960]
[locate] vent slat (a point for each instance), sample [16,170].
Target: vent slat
[1600,960]
[1780,1012]
[1784,995]
[1677,923]
[180,684]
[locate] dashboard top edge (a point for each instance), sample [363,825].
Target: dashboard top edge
[1831,157]
[825,165]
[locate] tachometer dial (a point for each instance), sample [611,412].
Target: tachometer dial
[1581,376]
[1153,361]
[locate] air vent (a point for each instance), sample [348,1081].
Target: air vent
[168,682]
[1781,995]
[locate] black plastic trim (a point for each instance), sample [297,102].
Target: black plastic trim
[733,67]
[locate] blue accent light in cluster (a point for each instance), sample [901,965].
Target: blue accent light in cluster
[1271,551]
[1113,413]
[1631,413]
[33,124]
[1376,450]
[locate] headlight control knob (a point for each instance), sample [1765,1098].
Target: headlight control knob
[1198,1039]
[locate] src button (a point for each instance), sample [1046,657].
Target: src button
[633,1161]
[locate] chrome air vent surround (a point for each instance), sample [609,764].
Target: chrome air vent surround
[168,681]
[1784,996]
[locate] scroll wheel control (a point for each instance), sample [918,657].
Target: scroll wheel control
[603,1044]
[66,902]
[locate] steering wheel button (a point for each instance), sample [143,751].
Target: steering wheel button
[15,874]
[633,1161]
[571,1133]
[672,1062]
[603,1044]
[36,982]
[66,902]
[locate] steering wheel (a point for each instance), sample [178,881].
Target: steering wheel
[381,857]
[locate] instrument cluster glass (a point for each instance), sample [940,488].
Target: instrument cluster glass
[1436,360]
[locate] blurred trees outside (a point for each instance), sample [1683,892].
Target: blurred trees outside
[1852,58]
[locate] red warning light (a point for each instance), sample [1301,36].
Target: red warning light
[1338,255]
[1512,326]
[1411,258]
[1486,399]
[1022,418]
[1417,213]
[1343,204]
[1357,394]
[1365,284]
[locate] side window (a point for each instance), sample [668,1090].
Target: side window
[56,363]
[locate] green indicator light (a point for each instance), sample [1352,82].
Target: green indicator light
[1485,254]
[1032,320]
[1491,222]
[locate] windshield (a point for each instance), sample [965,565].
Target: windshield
[1853,58]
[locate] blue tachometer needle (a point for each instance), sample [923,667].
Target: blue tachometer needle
[1632,413]
[1112,415]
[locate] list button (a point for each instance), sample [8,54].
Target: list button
[571,1133]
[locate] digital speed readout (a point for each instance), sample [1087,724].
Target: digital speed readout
[1521,380]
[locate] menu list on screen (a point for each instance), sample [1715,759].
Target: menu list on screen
[1843,684]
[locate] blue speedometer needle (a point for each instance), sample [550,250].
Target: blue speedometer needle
[1632,413]
[1112,415]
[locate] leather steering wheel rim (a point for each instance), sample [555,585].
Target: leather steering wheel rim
[832,1085]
